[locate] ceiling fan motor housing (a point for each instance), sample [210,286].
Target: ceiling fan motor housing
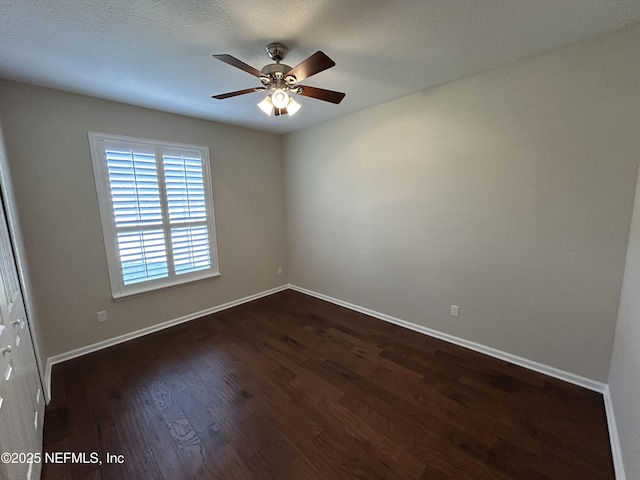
[275,69]
[274,76]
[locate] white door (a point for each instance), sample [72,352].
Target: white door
[21,396]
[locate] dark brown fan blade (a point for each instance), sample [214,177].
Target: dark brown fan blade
[321,94]
[233,61]
[222,96]
[316,63]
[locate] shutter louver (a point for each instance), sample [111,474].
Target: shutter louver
[190,249]
[133,178]
[143,255]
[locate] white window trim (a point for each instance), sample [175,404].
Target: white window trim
[118,289]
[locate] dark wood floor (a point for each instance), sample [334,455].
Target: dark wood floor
[291,387]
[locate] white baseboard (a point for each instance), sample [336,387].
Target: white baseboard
[616,450]
[145,331]
[492,352]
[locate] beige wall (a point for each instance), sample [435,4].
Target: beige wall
[624,376]
[508,193]
[46,139]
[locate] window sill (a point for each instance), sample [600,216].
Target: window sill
[149,289]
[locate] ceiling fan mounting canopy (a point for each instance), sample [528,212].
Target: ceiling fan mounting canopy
[277,51]
[282,78]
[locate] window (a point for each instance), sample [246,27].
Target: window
[156,206]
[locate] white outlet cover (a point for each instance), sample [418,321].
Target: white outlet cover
[455,310]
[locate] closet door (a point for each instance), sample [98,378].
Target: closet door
[21,396]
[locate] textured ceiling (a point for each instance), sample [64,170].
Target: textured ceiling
[157,53]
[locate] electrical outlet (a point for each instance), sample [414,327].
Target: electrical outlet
[280,270]
[455,310]
[102,316]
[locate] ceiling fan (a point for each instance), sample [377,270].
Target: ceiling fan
[282,80]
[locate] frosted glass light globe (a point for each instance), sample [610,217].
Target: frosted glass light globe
[280,98]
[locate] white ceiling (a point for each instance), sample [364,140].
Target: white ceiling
[157,53]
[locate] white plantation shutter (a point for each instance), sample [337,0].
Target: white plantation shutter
[156,206]
[137,211]
[186,202]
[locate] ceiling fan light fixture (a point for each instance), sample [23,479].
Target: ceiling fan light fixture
[266,105]
[280,98]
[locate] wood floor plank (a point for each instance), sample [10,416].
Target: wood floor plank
[292,387]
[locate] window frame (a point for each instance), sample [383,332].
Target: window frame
[108,221]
